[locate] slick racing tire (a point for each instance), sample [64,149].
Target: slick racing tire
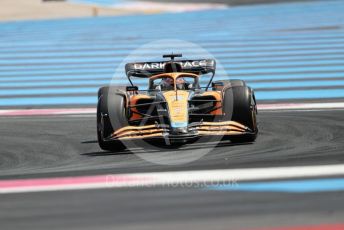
[240,106]
[105,125]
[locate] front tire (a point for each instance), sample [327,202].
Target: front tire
[105,125]
[240,106]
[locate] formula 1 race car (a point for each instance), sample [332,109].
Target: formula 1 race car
[175,108]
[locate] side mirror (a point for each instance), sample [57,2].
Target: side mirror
[132,88]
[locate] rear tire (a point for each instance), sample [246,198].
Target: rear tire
[105,125]
[240,106]
[231,83]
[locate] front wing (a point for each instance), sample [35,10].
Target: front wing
[194,130]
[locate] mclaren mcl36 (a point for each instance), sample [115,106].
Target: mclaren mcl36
[174,107]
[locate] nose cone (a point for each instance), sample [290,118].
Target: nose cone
[178,109]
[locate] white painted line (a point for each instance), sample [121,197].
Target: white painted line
[261,107]
[40,112]
[300,106]
[169,179]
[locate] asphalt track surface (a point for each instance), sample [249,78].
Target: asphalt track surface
[66,145]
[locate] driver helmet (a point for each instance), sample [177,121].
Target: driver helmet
[181,83]
[167,84]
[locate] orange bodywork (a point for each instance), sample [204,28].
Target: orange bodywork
[135,97]
[218,96]
[133,101]
[177,103]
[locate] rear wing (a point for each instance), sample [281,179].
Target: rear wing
[148,69]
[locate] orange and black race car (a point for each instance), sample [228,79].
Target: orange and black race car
[174,107]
